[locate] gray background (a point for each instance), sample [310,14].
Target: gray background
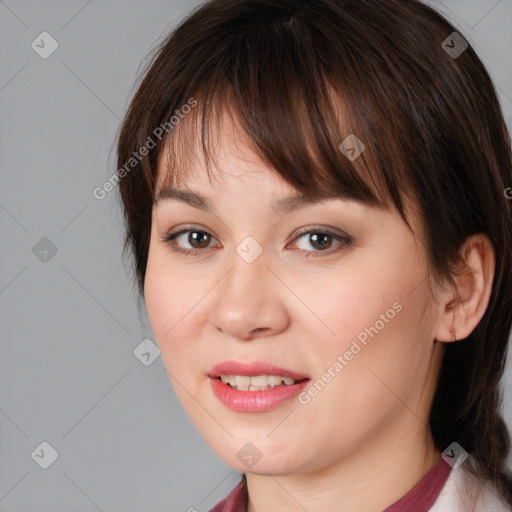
[70,323]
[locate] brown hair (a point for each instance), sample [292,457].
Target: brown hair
[300,76]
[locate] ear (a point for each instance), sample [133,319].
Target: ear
[463,308]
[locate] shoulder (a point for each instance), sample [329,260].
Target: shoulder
[464,492]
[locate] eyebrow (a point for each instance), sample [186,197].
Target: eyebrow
[280,207]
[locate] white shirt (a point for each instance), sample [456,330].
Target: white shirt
[464,492]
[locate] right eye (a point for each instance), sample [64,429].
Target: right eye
[197,238]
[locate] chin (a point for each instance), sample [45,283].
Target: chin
[260,456]
[268,464]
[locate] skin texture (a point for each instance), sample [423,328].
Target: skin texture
[363,441]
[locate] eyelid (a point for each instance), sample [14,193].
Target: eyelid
[322,229]
[188,227]
[300,231]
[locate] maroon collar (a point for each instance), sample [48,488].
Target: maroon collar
[423,495]
[236,501]
[420,498]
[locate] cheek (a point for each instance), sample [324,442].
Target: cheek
[371,336]
[172,306]
[360,305]
[158,302]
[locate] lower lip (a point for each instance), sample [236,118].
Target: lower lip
[255,401]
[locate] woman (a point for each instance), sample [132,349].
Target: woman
[321,232]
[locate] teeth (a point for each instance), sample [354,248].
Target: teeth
[257,382]
[274,380]
[242,382]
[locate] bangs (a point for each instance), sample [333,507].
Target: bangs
[311,142]
[302,141]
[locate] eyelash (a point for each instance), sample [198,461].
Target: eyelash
[169,239]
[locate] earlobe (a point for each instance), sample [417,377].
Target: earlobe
[459,316]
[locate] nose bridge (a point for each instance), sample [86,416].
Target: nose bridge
[248,273]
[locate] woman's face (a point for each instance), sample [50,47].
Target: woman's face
[261,296]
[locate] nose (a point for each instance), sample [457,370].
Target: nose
[249,302]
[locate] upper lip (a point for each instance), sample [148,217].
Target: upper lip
[252,369]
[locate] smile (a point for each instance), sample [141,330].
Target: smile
[254,387]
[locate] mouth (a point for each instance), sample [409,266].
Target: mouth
[254,387]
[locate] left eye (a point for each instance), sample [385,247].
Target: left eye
[319,240]
[322,241]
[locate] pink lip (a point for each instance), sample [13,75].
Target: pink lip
[254,401]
